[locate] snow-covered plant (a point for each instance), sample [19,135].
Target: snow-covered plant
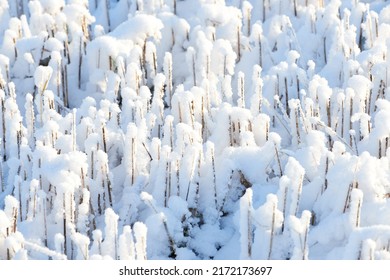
[299,229]
[180,130]
[246,234]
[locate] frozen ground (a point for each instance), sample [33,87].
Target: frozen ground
[196,129]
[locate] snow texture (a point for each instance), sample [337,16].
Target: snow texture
[194,129]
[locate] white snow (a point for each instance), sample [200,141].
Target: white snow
[194,129]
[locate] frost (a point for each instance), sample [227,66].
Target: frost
[140,232]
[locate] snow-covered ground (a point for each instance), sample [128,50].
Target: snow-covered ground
[195,129]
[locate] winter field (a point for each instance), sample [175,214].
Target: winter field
[194,129]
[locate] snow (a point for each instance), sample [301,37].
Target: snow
[246,225]
[140,232]
[194,129]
